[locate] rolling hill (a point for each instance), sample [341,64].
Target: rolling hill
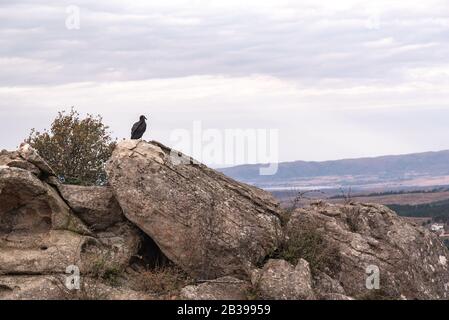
[429,168]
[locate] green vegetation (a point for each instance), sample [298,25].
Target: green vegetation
[163,280]
[439,210]
[309,244]
[77,149]
[253,292]
[103,269]
[391,193]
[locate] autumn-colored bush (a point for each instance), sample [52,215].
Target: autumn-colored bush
[76,148]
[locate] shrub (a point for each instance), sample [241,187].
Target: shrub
[164,280]
[75,148]
[309,244]
[104,269]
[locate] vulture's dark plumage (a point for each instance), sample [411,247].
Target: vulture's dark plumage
[139,128]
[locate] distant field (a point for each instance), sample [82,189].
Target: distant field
[410,197]
[425,204]
[402,199]
[438,210]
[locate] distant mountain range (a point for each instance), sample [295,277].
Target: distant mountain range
[429,168]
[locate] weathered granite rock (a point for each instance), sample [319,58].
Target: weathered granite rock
[40,235]
[122,240]
[28,205]
[29,154]
[203,221]
[14,160]
[225,288]
[324,285]
[412,262]
[208,224]
[52,287]
[47,253]
[96,206]
[279,280]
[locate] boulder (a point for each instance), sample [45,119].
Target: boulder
[225,288]
[40,235]
[48,253]
[29,205]
[14,160]
[205,222]
[95,206]
[29,154]
[412,261]
[280,280]
[324,285]
[123,241]
[52,287]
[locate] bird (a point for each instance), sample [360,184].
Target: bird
[139,128]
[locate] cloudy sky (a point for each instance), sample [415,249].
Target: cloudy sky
[338,78]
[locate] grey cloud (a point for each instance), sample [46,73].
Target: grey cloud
[324,58]
[131,43]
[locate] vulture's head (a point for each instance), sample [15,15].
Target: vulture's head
[142,118]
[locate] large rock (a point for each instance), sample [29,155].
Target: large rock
[324,285]
[96,206]
[279,280]
[203,221]
[48,253]
[123,241]
[29,205]
[40,235]
[412,262]
[29,154]
[225,288]
[14,160]
[52,287]
[27,158]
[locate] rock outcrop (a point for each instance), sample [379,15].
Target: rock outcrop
[208,224]
[95,206]
[52,287]
[40,234]
[29,205]
[217,230]
[411,261]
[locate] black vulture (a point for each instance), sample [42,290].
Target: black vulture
[139,128]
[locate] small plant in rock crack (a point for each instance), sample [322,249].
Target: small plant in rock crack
[299,197]
[309,244]
[346,195]
[163,280]
[104,269]
[253,292]
[296,201]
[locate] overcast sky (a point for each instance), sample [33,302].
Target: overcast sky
[343,78]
